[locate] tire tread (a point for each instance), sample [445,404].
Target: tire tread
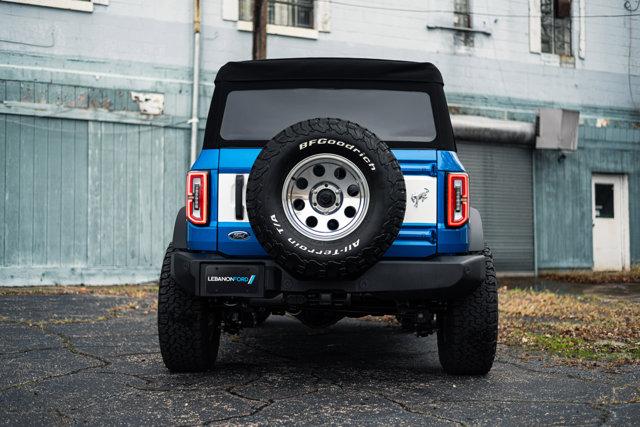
[187,329]
[370,252]
[468,333]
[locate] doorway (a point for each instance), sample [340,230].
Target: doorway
[610,212]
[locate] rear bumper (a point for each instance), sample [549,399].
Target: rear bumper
[211,275]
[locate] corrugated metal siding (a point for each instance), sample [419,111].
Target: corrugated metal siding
[84,201]
[502,190]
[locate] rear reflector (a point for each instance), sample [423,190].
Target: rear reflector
[198,197]
[457,199]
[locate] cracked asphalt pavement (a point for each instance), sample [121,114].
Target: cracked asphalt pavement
[91,359]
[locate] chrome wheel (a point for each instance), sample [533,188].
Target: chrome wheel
[325,197]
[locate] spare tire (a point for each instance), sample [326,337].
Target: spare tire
[326,199]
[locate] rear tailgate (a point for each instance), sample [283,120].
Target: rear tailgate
[418,235]
[235,236]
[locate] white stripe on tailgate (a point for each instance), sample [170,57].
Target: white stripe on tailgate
[422,198]
[227,197]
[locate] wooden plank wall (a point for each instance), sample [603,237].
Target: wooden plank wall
[563,195]
[84,196]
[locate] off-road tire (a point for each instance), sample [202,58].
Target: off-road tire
[374,235]
[468,330]
[188,330]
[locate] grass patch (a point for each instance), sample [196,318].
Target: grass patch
[133,291]
[581,328]
[142,301]
[595,277]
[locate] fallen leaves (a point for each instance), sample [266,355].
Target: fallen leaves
[133,291]
[596,277]
[573,327]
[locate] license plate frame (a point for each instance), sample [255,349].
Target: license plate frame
[232,280]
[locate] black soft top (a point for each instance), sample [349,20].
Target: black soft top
[332,73]
[329,69]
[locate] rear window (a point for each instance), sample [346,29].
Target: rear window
[258,115]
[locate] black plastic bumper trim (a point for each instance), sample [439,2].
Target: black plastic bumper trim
[239,206]
[441,276]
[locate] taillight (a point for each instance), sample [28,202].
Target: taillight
[457,199]
[198,197]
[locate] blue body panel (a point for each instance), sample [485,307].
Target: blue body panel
[249,247]
[448,161]
[237,160]
[417,162]
[202,238]
[207,160]
[415,240]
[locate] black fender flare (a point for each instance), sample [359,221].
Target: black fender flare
[476,233]
[180,230]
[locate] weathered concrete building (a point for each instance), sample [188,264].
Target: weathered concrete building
[95,103]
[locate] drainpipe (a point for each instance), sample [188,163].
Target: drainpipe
[196,80]
[535,215]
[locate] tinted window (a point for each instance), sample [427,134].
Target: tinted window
[254,115]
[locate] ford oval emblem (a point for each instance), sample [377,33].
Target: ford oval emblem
[238,235]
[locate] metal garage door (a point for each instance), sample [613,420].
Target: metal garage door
[501,189]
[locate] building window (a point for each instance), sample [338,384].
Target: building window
[286,13]
[80,5]
[556,27]
[462,19]
[604,201]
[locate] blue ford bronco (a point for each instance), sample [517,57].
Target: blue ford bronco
[328,188]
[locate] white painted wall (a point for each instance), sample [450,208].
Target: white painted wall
[153,36]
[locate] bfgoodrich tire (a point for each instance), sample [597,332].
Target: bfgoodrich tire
[187,329]
[300,246]
[468,330]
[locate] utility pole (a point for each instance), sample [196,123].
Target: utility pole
[260,29]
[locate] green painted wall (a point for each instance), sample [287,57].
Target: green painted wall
[85,200]
[563,195]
